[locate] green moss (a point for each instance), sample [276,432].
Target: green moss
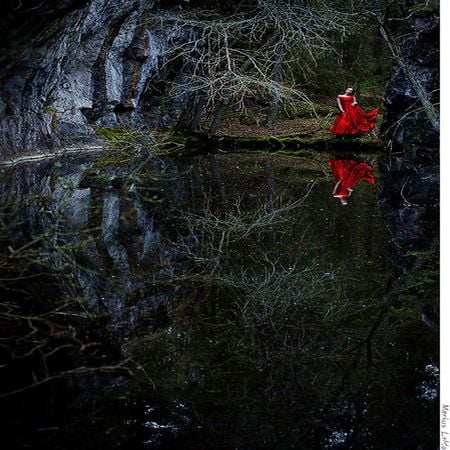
[123,137]
[49,110]
[249,117]
[428,6]
[115,135]
[113,158]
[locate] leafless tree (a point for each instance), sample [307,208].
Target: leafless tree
[250,54]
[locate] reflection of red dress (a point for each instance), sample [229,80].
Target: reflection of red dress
[349,173]
[353,120]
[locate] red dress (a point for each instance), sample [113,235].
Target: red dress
[353,120]
[348,174]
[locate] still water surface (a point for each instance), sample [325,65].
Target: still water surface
[226,301]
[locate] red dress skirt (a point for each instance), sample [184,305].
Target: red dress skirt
[353,120]
[349,173]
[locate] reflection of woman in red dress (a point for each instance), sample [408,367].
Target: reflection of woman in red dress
[349,173]
[352,119]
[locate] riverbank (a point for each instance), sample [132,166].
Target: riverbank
[296,131]
[303,126]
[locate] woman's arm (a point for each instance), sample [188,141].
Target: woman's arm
[339,105]
[354,101]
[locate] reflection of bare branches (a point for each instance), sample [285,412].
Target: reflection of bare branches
[42,323]
[66,373]
[35,341]
[236,224]
[228,227]
[365,343]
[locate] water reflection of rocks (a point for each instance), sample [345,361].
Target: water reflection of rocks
[107,229]
[227,285]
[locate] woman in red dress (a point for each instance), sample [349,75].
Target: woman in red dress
[352,119]
[349,173]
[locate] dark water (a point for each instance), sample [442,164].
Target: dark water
[214,302]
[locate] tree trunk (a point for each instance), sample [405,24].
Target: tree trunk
[270,173]
[223,104]
[218,116]
[274,99]
[217,183]
[192,112]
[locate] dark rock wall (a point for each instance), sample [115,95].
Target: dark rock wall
[68,66]
[410,191]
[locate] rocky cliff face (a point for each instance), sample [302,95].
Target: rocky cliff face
[409,197]
[71,65]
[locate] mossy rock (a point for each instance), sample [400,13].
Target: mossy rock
[122,137]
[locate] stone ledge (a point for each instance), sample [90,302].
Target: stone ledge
[22,159]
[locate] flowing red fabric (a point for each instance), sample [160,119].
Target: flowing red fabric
[349,173]
[353,120]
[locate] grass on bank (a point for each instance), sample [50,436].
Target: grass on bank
[301,122]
